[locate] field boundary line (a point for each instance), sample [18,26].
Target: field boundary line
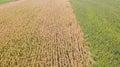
[12,3]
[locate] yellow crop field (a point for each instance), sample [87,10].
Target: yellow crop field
[41,33]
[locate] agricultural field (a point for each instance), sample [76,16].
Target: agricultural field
[100,22]
[41,33]
[4,1]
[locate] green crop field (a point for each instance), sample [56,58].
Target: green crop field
[100,22]
[4,1]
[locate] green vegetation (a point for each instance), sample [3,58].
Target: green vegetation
[4,1]
[100,21]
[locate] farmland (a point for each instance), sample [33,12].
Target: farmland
[41,33]
[4,1]
[100,22]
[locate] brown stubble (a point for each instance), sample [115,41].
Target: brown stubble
[42,33]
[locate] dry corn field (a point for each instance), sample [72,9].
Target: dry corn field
[41,33]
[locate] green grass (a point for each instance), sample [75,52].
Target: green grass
[100,22]
[4,1]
